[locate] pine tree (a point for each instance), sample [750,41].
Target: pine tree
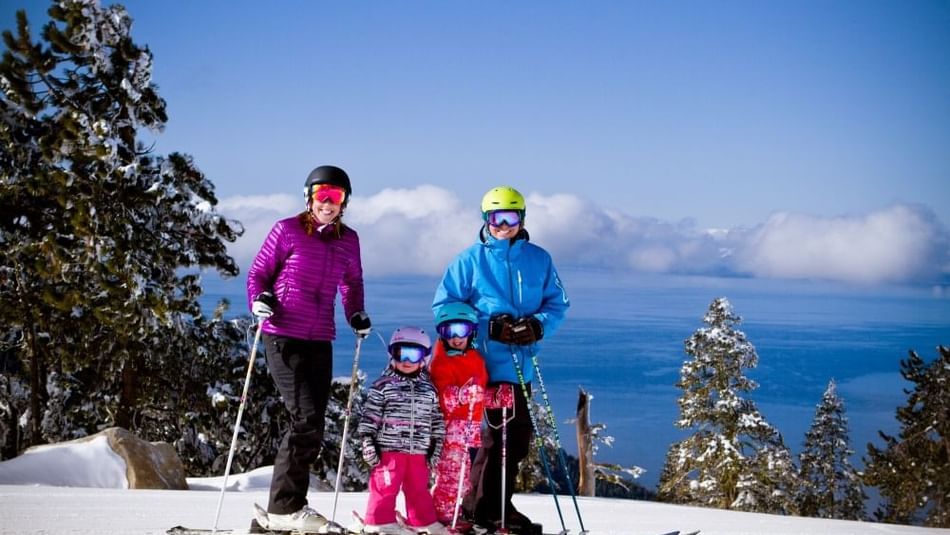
[531,474]
[355,470]
[912,471]
[99,239]
[829,486]
[734,459]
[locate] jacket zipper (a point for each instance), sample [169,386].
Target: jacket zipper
[412,416]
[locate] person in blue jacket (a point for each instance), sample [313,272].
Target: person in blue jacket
[514,287]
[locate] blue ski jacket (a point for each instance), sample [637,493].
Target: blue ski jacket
[505,277]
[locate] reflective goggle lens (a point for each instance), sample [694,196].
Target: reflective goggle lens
[456,329]
[408,352]
[329,192]
[504,217]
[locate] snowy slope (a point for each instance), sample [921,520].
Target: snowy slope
[53,490]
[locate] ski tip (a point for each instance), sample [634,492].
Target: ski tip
[333,528]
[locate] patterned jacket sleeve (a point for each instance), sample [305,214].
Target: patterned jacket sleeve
[372,415]
[438,434]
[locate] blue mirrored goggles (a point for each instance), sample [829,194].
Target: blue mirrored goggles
[498,218]
[455,329]
[412,353]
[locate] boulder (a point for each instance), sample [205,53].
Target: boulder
[113,458]
[149,465]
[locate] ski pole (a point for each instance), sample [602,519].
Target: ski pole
[458,492]
[504,459]
[503,425]
[557,438]
[537,438]
[346,425]
[237,424]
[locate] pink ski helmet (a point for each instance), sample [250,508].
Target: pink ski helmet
[409,336]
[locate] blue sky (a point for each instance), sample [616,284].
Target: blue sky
[765,139]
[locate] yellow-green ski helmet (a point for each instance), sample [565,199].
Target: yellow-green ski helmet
[503,198]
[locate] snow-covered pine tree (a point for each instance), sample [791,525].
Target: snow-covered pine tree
[13,402]
[829,486]
[734,459]
[355,470]
[99,239]
[196,408]
[531,474]
[912,471]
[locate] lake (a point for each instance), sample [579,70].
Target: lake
[623,338]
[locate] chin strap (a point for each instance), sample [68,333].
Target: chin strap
[452,352]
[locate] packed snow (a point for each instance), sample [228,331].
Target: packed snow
[81,489]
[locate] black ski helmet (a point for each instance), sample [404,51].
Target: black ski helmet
[329,174]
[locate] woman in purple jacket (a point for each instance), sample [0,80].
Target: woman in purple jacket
[292,287]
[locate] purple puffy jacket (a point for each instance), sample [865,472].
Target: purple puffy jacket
[303,272]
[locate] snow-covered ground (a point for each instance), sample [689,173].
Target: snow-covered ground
[81,489]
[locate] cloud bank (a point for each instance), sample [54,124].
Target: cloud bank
[419,230]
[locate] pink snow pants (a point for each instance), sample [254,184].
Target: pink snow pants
[397,471]
[460,435]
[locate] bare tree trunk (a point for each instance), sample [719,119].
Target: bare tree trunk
[37,388]
[585,446]
[128,396]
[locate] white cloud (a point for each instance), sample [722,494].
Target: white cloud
[419,230]
[257,213]
[413,230]
[895,244]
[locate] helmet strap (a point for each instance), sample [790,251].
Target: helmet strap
[452,352]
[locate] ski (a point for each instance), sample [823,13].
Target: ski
[255,529]
[356,527]
[182,530]
[351,530]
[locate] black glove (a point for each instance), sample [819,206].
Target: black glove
[527,331]
[361,324]
[264,305]
[500,328]
[522,332]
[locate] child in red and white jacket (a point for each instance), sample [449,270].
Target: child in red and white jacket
[459,374]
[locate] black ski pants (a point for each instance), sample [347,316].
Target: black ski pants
[302,371]
[483,502]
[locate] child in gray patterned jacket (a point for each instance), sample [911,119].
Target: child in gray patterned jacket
[401,433]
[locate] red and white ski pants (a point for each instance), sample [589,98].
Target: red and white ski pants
[460,435]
